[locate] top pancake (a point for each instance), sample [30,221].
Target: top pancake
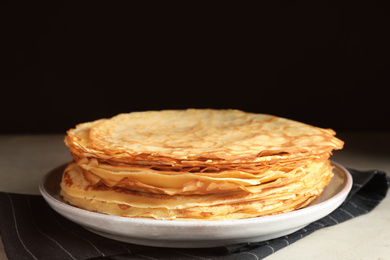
[203,135]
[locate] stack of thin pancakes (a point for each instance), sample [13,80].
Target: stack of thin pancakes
[196,164]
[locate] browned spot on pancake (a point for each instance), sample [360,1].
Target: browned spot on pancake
[67,179]
[123,206]
[206,214]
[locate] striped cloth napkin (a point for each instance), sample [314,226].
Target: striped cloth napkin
[30,229]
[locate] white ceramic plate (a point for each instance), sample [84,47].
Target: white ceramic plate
[171,233]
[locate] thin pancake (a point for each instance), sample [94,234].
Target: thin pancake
[173,182]
[282,195]
[204,135]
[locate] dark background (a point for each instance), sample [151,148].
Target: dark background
[325,63]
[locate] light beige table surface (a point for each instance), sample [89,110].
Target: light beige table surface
[25,159]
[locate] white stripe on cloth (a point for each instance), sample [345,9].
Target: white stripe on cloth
[256,257]
[346,212]
[17,230]
[79,236]
[147,257]
[367,199]
[273,250]
[356,206]
[195,256]
[43,233]
[329,216]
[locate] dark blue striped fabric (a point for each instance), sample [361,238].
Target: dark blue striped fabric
[30,229]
